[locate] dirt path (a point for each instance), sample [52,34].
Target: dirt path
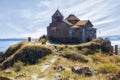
[35,77]
[48,64]
[45,66]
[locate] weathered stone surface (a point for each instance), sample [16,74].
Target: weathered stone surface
[57,76]
[84,70]
[70,30]
[77,69]
[60,68]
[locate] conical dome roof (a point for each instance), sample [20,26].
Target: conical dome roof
[57,14]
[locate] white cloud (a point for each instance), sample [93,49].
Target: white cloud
[37,34]
[32,21]
[103,22]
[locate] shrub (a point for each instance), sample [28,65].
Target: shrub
[18,65]
[43,39]
[75,57]
[31,53]
[91,45]
[107,68]
[105,44]
[96,45]
[89,48]
[86,51]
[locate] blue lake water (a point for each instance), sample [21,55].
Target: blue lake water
[4,44]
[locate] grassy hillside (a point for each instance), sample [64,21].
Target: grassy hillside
[26,52]
[30,60]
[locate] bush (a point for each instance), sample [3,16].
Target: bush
[89,48]
[86,51]
[105,44]
[43,39]
[91,45]
[108,68]
[75,57]
[31,53]
[18,65]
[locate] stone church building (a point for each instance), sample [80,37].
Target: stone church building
[70,30]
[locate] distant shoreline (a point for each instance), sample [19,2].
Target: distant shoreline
[6,43]
[15,39]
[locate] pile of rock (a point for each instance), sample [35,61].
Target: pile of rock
[84,70]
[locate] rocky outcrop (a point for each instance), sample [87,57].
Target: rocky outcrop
[84,70]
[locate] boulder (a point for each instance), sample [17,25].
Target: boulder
[76,69]
[87,71]
[57,76]
[60,68]
[84,70]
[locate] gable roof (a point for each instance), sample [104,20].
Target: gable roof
[67,22]
[57,13]
[72,17]
[81,23]
[75,26]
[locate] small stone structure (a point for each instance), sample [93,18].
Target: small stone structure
[116,49]
[29,39]
[71,29]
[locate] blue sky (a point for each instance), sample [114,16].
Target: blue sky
[23,18]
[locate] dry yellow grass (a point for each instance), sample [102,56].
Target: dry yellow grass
[98,61]
[108,68]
